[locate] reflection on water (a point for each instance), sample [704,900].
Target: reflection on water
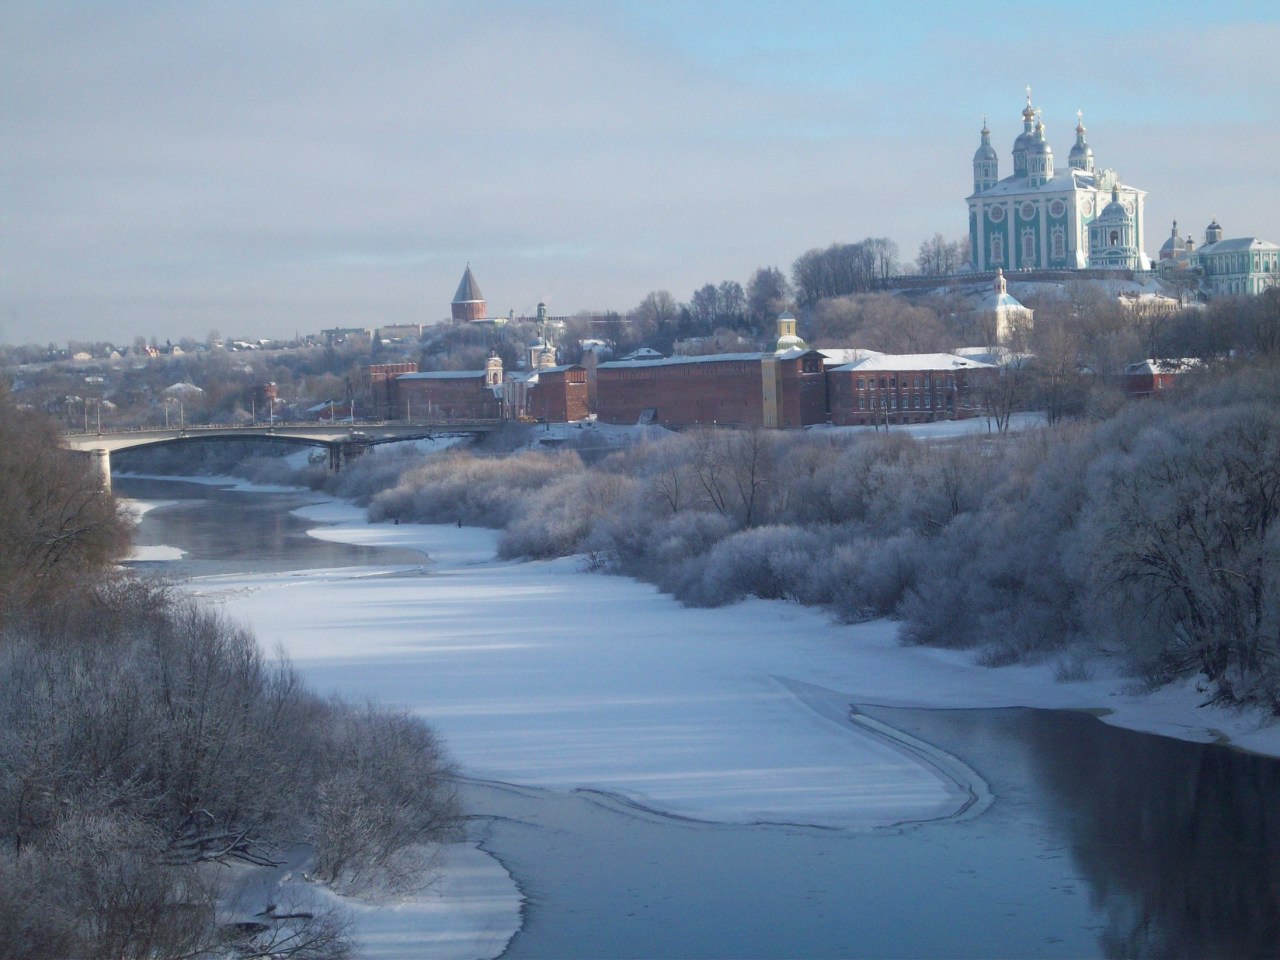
[1101,841]
[228,531]
[1190,831]
[1179,842]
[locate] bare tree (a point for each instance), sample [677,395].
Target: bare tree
[1005,391]
[768,294]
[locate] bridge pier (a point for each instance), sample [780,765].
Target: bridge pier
[100,464]
[344,451]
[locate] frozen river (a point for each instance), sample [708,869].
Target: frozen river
[1082,839]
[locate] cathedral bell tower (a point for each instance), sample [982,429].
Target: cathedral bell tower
[1081,155]
[986,164]
[1026,139]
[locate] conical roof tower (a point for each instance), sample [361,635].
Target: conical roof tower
[468,302]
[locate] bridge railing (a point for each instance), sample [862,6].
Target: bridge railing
[277,426]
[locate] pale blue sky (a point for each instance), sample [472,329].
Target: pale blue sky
[260,168]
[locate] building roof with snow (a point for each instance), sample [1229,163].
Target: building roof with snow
[914,361]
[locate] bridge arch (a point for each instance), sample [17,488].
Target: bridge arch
[343,441]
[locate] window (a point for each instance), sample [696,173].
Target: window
[883,383]
[916,382]
[1028,245]
[1059,244]
[1115,238]
[928,401]
[997,249]
[862,383]
[862,403]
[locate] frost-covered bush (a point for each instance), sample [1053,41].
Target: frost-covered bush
[768,562]
[368,475]
[130,757]
[1184,532]
[374,825]
[558,519]
[474,490]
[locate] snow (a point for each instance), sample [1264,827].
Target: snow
[944,429]
[914,361]
[471,910]
[537,674]
[613,434]
[154,554]
[541,675]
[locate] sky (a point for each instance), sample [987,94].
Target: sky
[258,169]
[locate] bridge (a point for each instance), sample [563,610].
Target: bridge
[343,440]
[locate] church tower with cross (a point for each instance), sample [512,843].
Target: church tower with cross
[1040,216]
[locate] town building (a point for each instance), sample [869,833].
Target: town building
[1044,216]
[906,388]
[449,394]
[1001,316]
[785,389]
[380,387]
[1239,266]
[558,394]
[1151,378]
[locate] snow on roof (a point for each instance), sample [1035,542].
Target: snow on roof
[560,369]
[1237,244]
[441,375]
[1017,185]
[182,389]
[1164,365]
[916,361]
[790,354]
[834,356]
[994,301]
[643,353]
[671,361]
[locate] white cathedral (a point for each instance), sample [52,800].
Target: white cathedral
[1045,218]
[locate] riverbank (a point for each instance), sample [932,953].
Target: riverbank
[864,661]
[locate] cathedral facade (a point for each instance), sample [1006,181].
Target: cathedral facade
[1047,217]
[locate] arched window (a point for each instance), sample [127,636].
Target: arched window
[997,248]
[1028,246]
[1059,244]
[1115,238]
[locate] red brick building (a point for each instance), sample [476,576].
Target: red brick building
[905,388]
[452,394]
[1150,378]
[380,383]
[559,394]
[786,389]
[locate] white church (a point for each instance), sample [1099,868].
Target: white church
[1046,217]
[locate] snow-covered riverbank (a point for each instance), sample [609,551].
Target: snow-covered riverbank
[540,673]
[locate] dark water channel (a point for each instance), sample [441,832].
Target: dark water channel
[1101,841]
